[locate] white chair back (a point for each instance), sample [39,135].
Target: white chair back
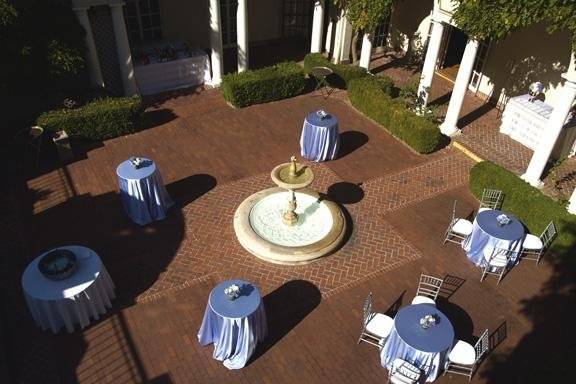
[367,309]
[491,199]
[548,235]
[429,286]
[482,345]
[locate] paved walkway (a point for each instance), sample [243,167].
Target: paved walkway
[211,157]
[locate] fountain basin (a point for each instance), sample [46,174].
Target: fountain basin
[260,230]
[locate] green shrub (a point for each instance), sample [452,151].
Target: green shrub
[343,74]
[277,82]
[419,133]
[98,120]
[527,203]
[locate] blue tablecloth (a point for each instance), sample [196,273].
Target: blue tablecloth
[319,140]
[234,326]
[487,235]
[425,348]
[143,193]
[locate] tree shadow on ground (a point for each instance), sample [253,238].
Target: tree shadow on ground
[286,307]
[135,256]
[546,353]
[351,141]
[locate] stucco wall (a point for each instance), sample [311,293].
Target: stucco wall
[186,20]
[409,25]
[526,56]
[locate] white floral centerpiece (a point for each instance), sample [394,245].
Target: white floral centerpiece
[136,162]
[428,321]
[321,114]
[502,220]
[232,292]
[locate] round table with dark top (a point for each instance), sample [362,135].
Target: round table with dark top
[234,326]
[487,235]
[424,348]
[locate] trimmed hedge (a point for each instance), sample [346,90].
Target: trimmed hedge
[98,120]
[422,135]
[277,82]
[343,74]
[527,203]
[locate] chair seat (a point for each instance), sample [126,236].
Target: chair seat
[423,300]
[532,242]
[497,261]
[462,227]
[462,353]
[380,325]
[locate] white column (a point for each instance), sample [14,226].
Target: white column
[242,35]
[216,57]
[572,204]
[338,39]
[430,61]
[123,48]
[449,127]
[329,29]
[92,62]
[317,24]
[346,40]
[553,129]
[366,53]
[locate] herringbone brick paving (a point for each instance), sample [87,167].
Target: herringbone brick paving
[165,271]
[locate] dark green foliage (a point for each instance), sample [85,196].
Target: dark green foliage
[527,203]
[277,82]
[419,133]
[98,120]
[342,73]
[496,19]
[42,43]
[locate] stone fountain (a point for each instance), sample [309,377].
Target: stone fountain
[289,224]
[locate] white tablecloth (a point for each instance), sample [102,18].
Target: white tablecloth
[526,122]
[183,72]
[85,294]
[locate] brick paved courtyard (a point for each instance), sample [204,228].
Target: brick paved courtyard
[212,157]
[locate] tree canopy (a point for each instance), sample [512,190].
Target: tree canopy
[41,43]
[496,19]
[365,15]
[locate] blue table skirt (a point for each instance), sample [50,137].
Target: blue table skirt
[144,199]
[320,139]
[234,339]
[433,343]
[486,237]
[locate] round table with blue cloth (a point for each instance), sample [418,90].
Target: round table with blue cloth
[487,235]
[319,140]
[144,196]
[424,348]
[234,326]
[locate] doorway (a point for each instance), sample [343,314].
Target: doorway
[453,49]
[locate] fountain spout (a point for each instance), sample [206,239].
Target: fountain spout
[293,169]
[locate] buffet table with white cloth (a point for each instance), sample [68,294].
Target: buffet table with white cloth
[526,121]
[319,140]
[409,341]
[186,69]
[487,235]
[86,294]
[144,196]
[234,326]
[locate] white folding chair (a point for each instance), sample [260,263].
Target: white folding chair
[463,359]
[497,263]
[458,229]
[491,199]
[402,372]
[375,326]
[533,248]
[428,289]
